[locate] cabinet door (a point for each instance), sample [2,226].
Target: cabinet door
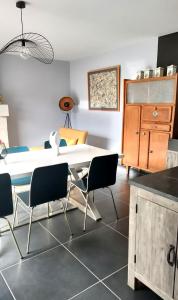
[131,135]
[158,150]
[144,148]
[176,285]
[156,235]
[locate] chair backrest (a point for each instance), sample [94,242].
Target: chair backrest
[48,184]
[6,204]
[70,133]
[17,149]
[102,172]
[62,143]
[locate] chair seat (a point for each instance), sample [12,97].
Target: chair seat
[24,196]
[21,181]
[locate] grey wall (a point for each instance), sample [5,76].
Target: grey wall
[105,128]
[32,90]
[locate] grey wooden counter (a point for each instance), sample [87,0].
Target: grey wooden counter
[172,154]
[153,233]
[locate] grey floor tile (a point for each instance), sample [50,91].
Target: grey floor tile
[4,291]
[105,206]
[121,226]
[41,240]
[58,227]
[51,275]
[118,283]
[97,292]
[103,251]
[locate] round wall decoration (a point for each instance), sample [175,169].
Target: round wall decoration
[66,103]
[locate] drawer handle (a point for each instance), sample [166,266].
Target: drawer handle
[171,256]
[151,151]
[155,113]
[137,132]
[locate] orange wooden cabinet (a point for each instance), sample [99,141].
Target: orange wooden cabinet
[150,119]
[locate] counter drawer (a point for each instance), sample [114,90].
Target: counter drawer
[161,127]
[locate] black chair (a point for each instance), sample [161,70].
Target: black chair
[6,203]
[48,184]
[101,174]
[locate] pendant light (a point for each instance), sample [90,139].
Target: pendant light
[30,44]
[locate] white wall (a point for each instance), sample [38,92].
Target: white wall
[32,90]
[105,128]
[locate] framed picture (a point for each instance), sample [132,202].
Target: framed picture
[104,89]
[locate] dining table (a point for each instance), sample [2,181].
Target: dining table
[77,156]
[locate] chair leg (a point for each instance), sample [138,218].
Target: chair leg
[117,217]
[65,216]
[85,217]
[29,231]
[93,196]
[68,196]
[14,238]
[15,212]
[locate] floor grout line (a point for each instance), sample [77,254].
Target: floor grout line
[63,245]
[111,290]
[116,231]
[100,281]
[60,243]
[8,286]
[25,259]
[89,287]
[117,271]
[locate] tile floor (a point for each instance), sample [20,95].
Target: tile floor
[93,265]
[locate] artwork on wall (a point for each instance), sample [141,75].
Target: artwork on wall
[104,89]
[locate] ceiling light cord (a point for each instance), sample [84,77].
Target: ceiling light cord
[21,20]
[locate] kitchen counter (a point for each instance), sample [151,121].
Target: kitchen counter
[173,145]
[153,233]
[164,183]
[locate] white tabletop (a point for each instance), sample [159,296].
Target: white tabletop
[22,163]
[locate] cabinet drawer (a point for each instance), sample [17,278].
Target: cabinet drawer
[157,114]
[161,127]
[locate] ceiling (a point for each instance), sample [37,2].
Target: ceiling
[81,28]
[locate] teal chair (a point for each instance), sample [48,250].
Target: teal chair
[22,180]
[62,143]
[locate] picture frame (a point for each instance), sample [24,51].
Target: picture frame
[104,89]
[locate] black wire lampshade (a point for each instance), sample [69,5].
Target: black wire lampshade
[30,44]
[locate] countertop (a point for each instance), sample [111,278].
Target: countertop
[164,183]
[173,145]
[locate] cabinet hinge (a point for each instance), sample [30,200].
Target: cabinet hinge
[136,208]
[135,258]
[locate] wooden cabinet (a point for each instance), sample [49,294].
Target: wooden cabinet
[156,114]
[156,239]
[131,133]
[153,243]
[157,150]
[176,285]
[144,149]
[150,119]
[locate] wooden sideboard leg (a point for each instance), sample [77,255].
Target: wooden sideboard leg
[128,170]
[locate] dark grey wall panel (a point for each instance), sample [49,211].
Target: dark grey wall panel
[167,50]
